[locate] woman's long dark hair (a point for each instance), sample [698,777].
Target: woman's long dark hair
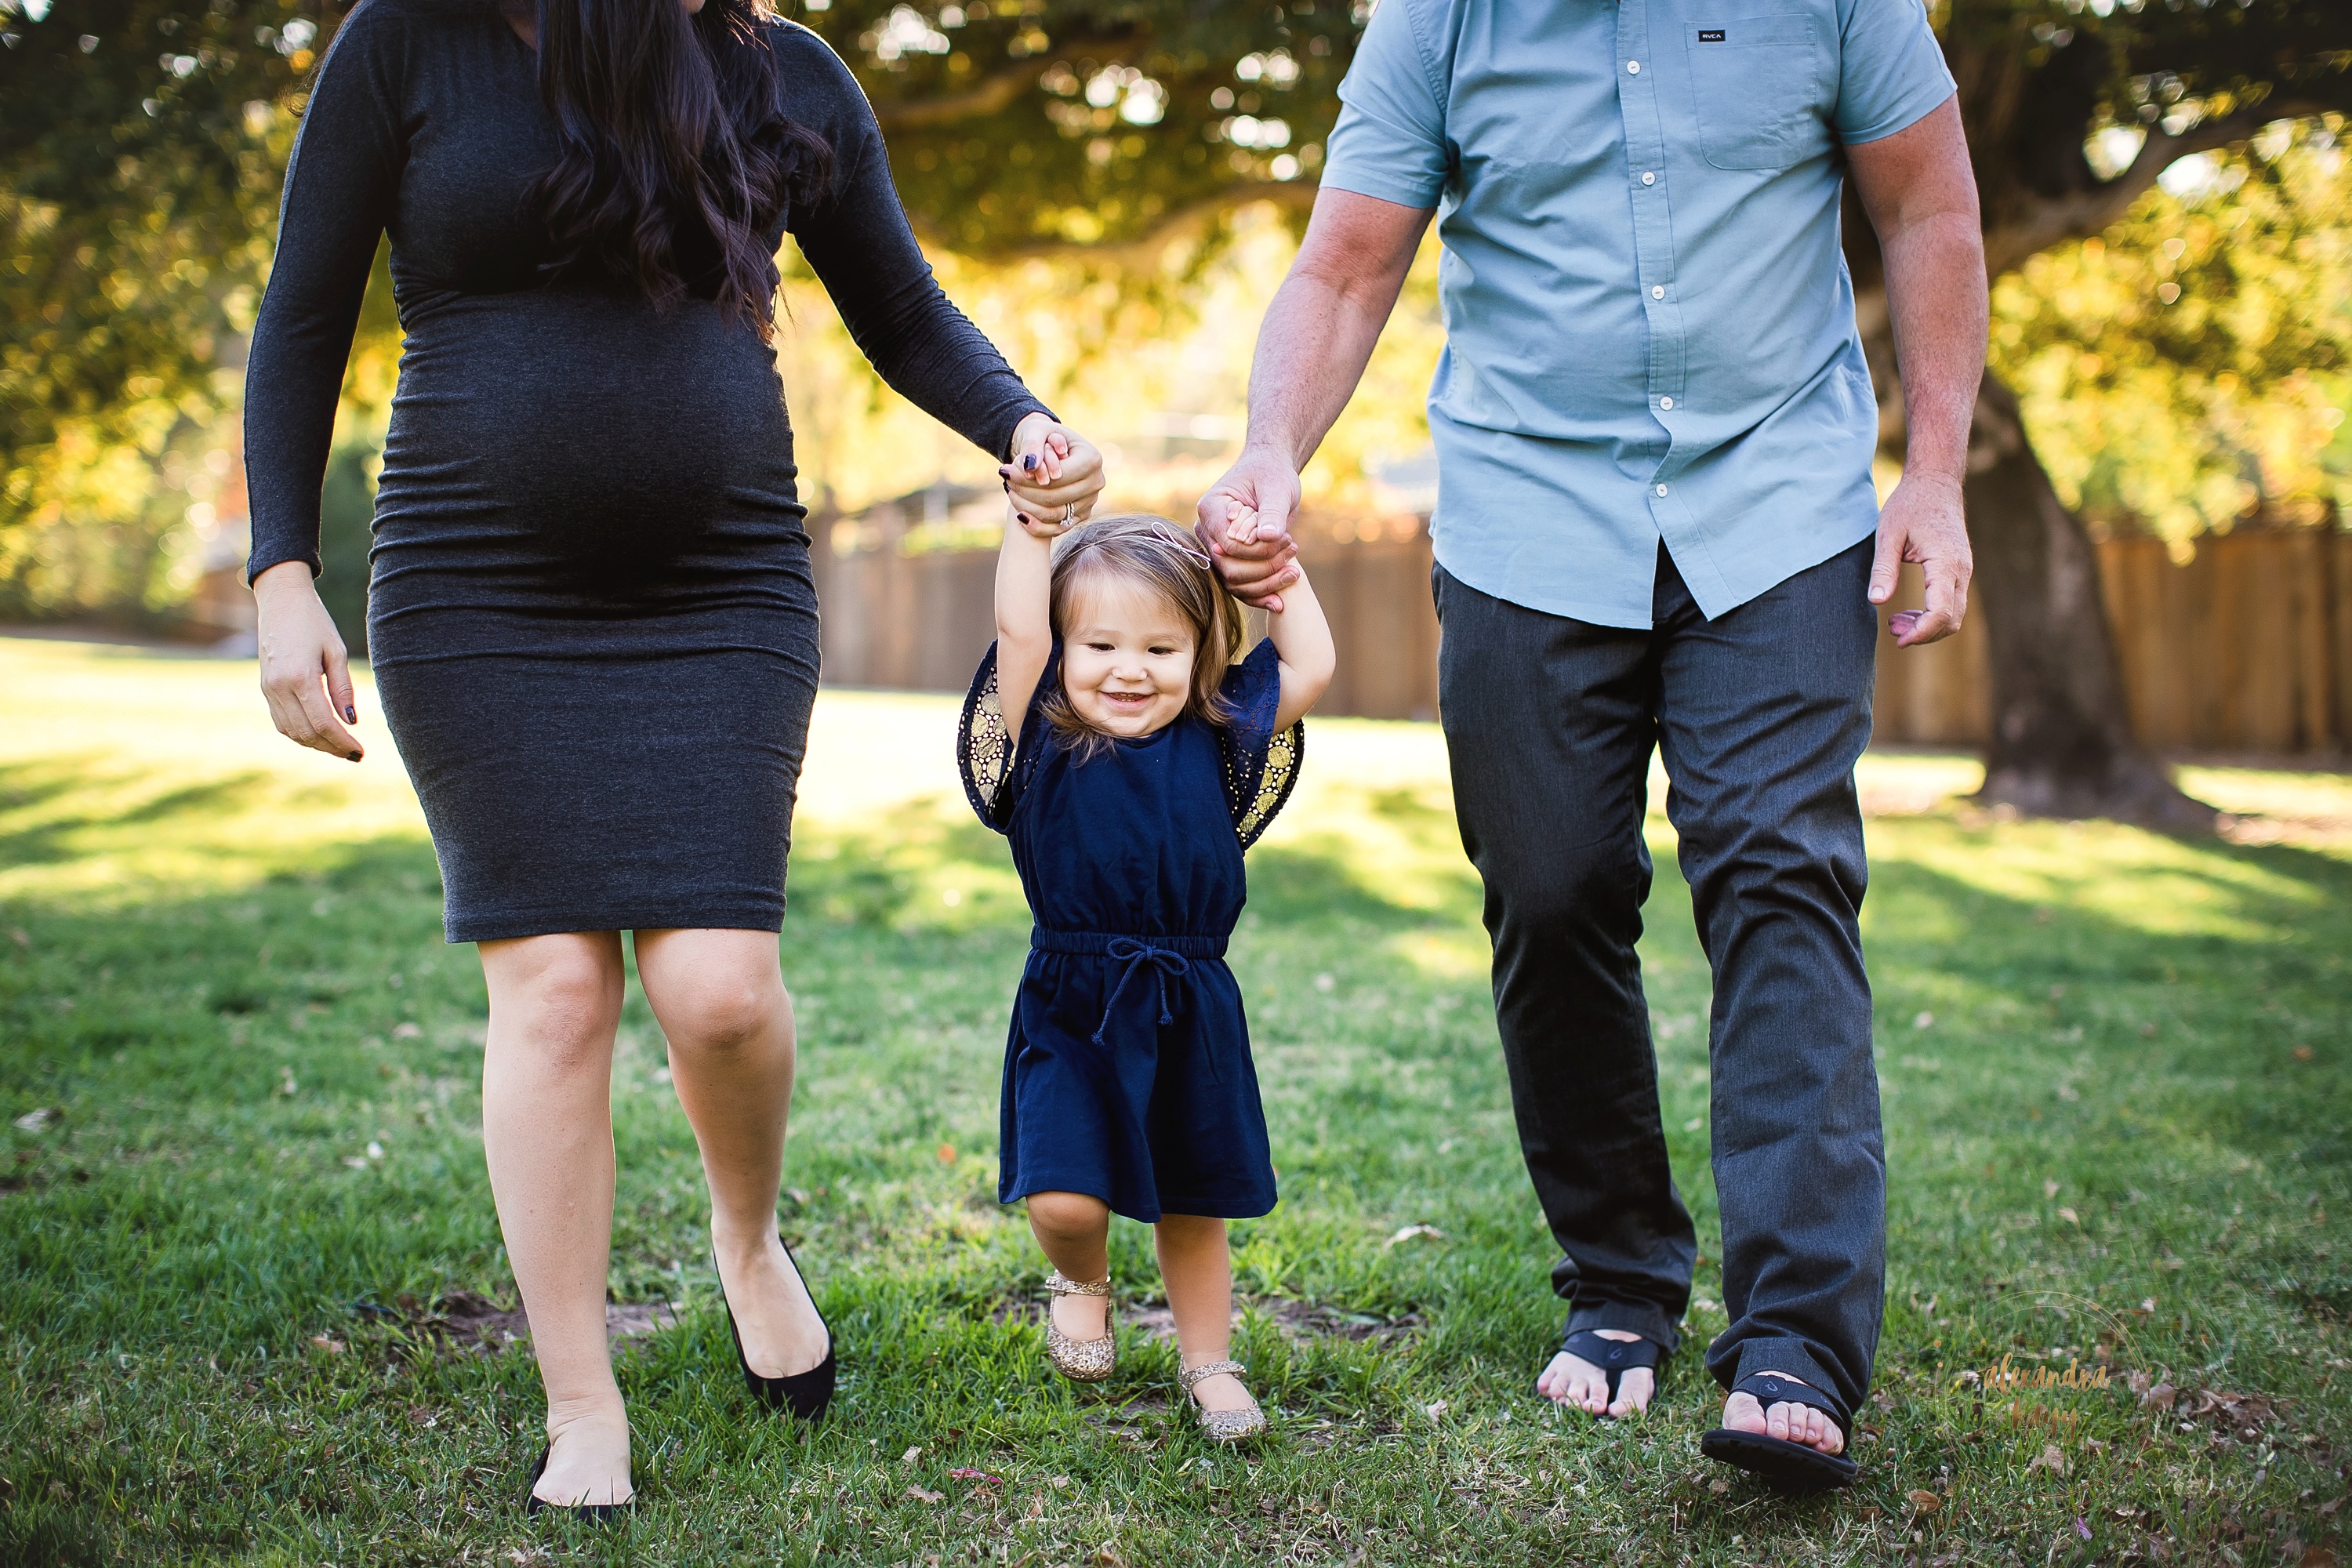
[677,150]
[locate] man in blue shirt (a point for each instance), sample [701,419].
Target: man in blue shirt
[1655,526]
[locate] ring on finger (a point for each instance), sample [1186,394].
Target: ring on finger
[1070,513]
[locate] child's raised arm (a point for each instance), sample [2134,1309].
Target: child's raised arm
[1024,615]
[1301,637]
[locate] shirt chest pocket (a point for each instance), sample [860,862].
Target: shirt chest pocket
[1760,85]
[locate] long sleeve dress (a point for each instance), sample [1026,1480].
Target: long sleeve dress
[1126,1068]
[590,612]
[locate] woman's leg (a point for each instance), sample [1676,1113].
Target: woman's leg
[721,999]
[547,1131]
[1074,1231]
[1199,1272]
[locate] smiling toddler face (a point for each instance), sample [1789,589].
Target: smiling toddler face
[1127,657]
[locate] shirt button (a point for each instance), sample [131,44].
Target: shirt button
[1648,178]
[1665,403]
[1632,67]
[1662,490]
[1657,290]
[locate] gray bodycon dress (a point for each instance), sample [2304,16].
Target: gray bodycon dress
[591,614]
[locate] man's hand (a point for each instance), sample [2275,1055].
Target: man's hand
[1924,522]
[1255,571]
[305,673]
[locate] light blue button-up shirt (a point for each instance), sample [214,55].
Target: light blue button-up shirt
[1650,331]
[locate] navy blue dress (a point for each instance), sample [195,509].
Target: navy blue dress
[1128,1072]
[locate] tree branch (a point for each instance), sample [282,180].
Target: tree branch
[2077,216]
[1146,250]
[992,94]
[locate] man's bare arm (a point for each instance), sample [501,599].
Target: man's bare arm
[1921,196]
[1318,336]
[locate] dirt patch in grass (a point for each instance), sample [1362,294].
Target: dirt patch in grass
[465,1324]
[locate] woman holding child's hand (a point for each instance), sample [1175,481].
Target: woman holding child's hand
[591,610]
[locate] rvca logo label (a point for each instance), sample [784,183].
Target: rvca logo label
[1710,35]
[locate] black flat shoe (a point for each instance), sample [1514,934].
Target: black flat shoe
[806,1395]
[587,1513]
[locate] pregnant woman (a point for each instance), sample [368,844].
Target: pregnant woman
[590,612]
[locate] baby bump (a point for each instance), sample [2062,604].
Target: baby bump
[577,436]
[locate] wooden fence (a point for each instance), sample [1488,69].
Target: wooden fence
[2247,648]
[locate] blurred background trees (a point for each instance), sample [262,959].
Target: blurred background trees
[1113,190]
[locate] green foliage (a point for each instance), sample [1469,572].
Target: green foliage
[1015,124]
[2186,366]
[139,167]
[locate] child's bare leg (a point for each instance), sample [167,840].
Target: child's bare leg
[1198,1269]
[1074,1231]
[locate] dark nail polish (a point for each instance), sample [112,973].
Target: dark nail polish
[355,756]
[1029,462]
[351,714]
[1024,516]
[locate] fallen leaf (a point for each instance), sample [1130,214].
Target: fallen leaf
[1923,1503]
[331,1346]
[1411,1231]
[2070,1216]
[1057,1482]
[2172,1265]
[2049,1189]
[1108,1556]
[920,1495]
[2317,1556]
[1924,1021]
[2302,1053]
[910,1456]
[34,1121]
[2328,1510]
[405,1031]
[2159,1396]
[1433,1410]
[964,1473]
[947,1154]
[1718,1485]
[2051,1459]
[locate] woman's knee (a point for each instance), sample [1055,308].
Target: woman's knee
[723,1011]
[555,996]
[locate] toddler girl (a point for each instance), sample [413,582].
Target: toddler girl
[1112,738]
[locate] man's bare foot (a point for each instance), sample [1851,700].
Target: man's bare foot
[1571,1380]
[588,1457]
[1789,1423]
[1082,1317]
[783,1334]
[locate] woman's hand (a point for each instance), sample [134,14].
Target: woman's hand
[1054,476]
[305,673]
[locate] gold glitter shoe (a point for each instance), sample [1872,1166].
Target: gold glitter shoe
[1081,1361]
[1222,1426]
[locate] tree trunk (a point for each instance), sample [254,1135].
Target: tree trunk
[2061,743]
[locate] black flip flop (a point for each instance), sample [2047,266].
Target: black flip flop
[1793,1466]
[1613,1357]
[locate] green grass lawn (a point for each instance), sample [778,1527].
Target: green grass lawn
[239,1252]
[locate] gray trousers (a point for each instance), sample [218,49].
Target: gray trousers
[1761,713]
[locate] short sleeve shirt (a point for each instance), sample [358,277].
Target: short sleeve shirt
[1650,331]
